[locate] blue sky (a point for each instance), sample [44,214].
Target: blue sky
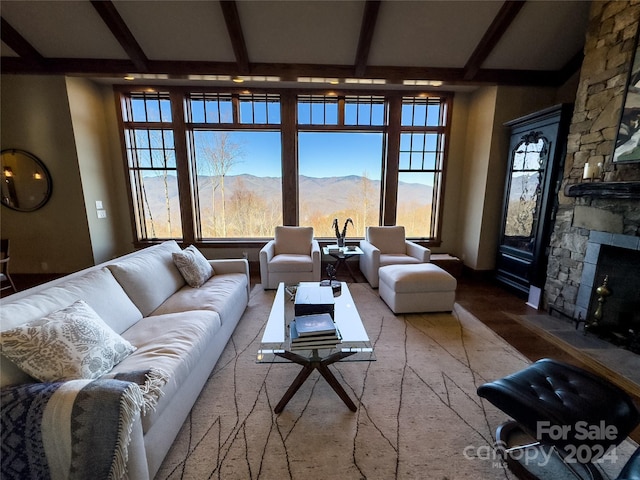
[322,154]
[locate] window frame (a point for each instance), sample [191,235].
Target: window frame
[289,129]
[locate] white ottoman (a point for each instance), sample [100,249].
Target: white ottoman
[422,287]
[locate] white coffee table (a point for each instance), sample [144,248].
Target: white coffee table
[276,345]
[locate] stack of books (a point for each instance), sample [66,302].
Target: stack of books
[313,331]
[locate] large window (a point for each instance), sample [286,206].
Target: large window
[227,166]
[420,166]
[339,177]
[236,163]
[151,158]
[238,183]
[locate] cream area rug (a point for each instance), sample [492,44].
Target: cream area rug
[418,416]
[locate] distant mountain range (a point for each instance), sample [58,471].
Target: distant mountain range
[325,193]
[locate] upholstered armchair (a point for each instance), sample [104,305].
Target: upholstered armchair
[388,246]
[292,256]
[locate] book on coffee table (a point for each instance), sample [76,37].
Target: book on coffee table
[311,325]
[320,341]
[319,332]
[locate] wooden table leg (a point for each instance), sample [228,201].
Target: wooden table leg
[333,382]
[308,366]
[293,388]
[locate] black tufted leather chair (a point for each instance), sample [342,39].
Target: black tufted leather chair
[565,406]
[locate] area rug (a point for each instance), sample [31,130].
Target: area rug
[418,415]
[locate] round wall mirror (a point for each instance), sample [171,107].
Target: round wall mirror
[26,183]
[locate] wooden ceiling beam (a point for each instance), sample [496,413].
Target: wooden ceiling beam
[286,72]
[18,43]
[109,14]
[369,19]
[496,30]
[234,27]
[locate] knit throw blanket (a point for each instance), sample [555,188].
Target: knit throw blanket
[76,429]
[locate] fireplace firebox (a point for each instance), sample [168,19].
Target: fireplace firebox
[613,308]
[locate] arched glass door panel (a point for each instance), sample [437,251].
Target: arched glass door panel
[523,208]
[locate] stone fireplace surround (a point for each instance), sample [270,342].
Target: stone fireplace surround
[590,215]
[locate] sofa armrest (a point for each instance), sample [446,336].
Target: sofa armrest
[230,265]
[268,251]
[233,265]
[266,254]
[418,251]
[137,468]
[315,254]
[370,262]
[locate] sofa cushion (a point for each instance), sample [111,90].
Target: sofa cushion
[174,343]
[150,276]
[296,240]
[99,289]
[291,263]
[225,294]
[193,266]
[67,344]
[387,239]
[397,259]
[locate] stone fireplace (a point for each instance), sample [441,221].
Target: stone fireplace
[598,217]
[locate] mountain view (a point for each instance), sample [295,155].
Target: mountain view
[253,205]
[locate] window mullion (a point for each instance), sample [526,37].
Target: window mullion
[182,167]
[390,196]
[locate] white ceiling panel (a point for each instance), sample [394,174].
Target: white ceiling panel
[438,34]
[178,30]
[63,29]
[301,32]
[543,36]
[302,38]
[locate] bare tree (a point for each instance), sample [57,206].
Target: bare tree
[219,153]
[363,200]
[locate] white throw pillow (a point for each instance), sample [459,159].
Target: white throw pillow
[193,266]
[149,276]
[70,343]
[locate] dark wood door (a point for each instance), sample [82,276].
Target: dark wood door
[536,158]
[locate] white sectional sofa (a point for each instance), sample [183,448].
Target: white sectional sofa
[175,328]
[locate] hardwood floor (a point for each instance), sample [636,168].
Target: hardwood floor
[495,306]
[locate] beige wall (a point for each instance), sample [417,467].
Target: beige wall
[99,158]
[35,117]
[476,162]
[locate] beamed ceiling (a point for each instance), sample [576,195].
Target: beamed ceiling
[388,42]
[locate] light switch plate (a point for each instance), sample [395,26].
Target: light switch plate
[99,204]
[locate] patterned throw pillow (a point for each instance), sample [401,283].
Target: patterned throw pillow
[70,343]
[193,266]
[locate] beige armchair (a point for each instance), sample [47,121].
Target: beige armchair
[292,256]
[388,246]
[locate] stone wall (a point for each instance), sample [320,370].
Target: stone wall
[609,49]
